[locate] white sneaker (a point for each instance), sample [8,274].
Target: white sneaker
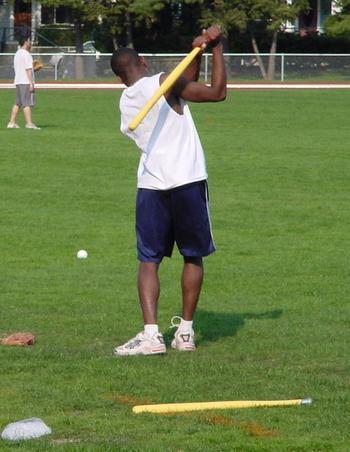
[13,126]
[32,126]
[142,344]
[183,340]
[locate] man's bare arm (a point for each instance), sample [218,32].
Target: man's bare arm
[200,92]
[30,78]
[191,73]
[210,35]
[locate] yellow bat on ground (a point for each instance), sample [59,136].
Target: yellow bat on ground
[168,83]
[233,404]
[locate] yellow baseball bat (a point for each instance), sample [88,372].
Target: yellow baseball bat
[233,404]
[168,83]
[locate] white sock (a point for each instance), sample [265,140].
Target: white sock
[151,329]
[185,325]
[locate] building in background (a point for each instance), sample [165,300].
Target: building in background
[18,14]
[313,20]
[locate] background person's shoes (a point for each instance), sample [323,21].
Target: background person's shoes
[12,126]
[32,126]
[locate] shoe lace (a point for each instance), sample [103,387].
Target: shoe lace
[135,340]
[174,319]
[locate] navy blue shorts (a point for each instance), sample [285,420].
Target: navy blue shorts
[179,215]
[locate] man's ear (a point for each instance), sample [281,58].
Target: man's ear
[143,62]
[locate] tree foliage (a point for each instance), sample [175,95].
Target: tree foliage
[169,25]
[267,16]
[339,24]
[122,17]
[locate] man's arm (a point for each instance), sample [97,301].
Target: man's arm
[200,92]
[191,73]
[30,78]
[194,91]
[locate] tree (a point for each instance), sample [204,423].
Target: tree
[338,25]
[121,17]
[254,16]
[117,20]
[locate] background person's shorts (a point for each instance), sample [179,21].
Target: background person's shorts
[24,98]
[179,215]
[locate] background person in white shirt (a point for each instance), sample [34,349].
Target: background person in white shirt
[172,201]
[24,81]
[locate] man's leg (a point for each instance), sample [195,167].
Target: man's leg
[28,115]
[154,241]
[192,278]
[149,290]
[149,341]
[14,113]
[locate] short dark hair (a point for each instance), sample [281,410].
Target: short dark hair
[24,37]
[123,58]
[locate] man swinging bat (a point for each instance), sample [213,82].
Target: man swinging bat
[172,193]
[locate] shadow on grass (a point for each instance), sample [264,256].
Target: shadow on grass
[211,326]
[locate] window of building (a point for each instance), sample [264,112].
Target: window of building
[22,7]
[51,15]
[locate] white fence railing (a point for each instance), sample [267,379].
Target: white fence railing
[240,66]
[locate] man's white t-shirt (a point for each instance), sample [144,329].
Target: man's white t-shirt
[23,60]
[171,151]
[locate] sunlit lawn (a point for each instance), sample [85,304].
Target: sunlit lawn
[273,320]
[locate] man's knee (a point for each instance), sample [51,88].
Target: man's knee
[193,260]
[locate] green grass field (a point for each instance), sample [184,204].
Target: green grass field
[273,320]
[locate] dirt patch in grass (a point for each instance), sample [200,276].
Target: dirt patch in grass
[254,428]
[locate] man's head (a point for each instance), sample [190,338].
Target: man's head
[128,65]
[25,41]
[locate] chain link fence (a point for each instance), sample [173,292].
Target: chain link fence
[240,67]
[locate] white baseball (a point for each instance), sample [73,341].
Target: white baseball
[82,254]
